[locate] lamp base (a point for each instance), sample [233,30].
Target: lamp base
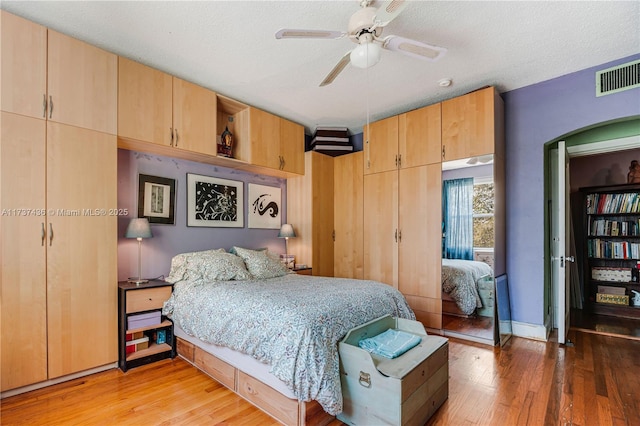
[137,281]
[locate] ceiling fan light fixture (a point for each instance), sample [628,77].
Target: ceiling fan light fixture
[366,55]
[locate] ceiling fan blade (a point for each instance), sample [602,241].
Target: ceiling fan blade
[413,48]
[290,33]
[337,69]
[388,11]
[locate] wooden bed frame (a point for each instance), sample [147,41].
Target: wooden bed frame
[286,410]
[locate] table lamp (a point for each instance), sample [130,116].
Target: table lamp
[138,229]
[286,232]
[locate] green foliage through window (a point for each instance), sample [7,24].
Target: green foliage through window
[483,222]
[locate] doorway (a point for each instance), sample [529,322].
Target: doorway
[597,157]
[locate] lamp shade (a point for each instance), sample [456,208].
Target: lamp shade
[286,231]
[138,228]
[365,55]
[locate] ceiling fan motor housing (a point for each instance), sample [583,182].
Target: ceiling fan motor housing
[361,21]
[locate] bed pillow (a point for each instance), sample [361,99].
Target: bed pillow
[219,267]
[180,266]
[260,264]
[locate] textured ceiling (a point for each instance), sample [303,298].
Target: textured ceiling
[229,46]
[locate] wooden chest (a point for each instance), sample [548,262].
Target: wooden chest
[406,390]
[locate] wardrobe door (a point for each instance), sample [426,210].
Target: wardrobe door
[381,227]
[82,82]
[381,146]
[419,243]
[23,352]
[348,216]
[81,259]
[24,66]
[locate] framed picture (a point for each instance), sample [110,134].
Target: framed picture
[214,202]
[157,199]
[264,205]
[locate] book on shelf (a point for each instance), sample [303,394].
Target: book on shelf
[137,344]
[133,336]
[606,203]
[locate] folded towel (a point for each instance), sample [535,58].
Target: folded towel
[390,344]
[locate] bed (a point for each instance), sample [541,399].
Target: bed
[279,328]
[462,281]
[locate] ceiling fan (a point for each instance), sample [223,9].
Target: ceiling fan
[365,29]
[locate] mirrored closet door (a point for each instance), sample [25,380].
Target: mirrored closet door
[472,247]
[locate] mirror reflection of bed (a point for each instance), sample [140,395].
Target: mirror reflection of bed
[472,235]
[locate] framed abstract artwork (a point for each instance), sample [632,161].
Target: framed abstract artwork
[157,199]
[214,202]
[264,206]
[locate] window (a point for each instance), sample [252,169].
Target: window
[483,222]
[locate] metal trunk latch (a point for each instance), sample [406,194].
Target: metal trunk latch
[365,379]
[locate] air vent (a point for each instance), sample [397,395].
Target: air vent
[617,79]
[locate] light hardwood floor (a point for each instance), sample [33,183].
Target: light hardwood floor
[595,382]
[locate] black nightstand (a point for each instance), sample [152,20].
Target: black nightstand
[305,270]
[140,317]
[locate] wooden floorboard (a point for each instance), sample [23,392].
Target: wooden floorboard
[594,382]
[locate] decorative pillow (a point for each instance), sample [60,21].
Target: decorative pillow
[260,264]
[220,266]
[180,266]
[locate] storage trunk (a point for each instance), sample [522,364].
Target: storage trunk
[406,390]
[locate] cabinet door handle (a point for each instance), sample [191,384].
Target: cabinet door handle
[177,137]
[50,234]
[400,236]
[396,236]
[443,152]
[400,161]
[171,134]
[50,106]
[396,161]
[333,235]
[44,234]
[284,163]
[44,106]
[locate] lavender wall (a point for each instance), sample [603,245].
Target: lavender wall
[169,240]
[536,115]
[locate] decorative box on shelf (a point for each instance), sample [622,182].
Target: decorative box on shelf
[611,274]
[143,320]
[612,299]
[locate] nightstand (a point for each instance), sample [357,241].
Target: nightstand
[141,323]
[303,270]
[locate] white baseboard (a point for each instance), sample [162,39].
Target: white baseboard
[55,381]
[530,331]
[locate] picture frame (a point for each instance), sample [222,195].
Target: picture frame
[214,202]
[157,199]
[264,206]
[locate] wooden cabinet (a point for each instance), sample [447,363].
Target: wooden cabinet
[612,249]
[468,125]
[23,285]
[276,143]
[156,107]
[310,210]
[49,75]
[139,299]
[381,227]
[348,216]
[381,146]
[402,228]
[407,140]
[66,265]
[419,241]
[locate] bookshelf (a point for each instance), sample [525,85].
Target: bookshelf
[612,249]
